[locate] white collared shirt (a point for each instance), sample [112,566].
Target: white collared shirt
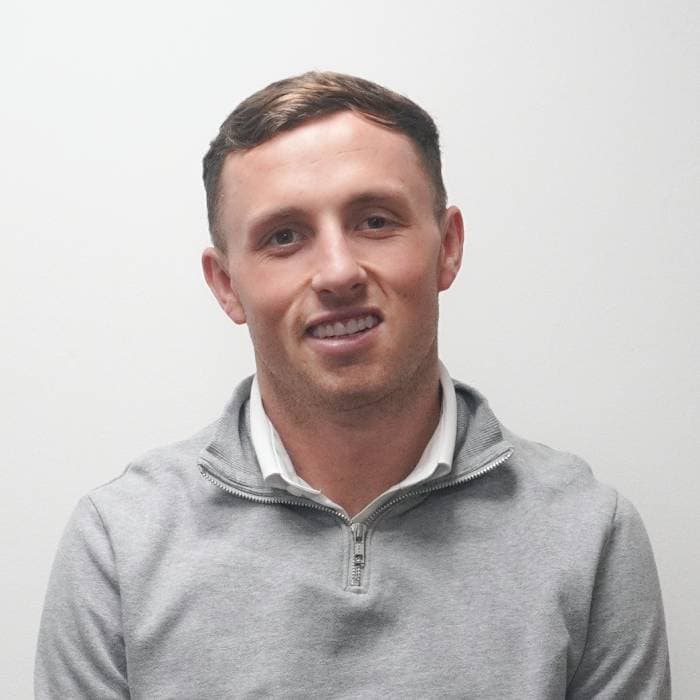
[278,470]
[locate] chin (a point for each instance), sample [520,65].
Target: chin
[351,392]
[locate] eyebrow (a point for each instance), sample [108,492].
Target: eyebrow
[268,218]
[378,196]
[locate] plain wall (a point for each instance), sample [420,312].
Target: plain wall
[569,133]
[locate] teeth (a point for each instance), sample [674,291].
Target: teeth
[340,328]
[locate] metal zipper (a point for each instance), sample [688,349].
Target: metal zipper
[359,537]
[437,487]
[358,529]
[268,500]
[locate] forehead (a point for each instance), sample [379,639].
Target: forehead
[321,162]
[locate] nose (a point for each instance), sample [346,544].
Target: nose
[338,272]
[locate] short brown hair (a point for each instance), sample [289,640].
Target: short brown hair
[287,103]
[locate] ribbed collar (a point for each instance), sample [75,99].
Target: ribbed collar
[231,458]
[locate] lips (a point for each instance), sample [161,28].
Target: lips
[345,327]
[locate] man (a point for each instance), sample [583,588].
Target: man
[356,524]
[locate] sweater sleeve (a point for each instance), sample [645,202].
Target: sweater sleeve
[80,651]
[626,652]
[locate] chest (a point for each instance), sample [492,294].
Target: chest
[302,607]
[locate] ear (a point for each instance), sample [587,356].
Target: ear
[218,277]
[452,232]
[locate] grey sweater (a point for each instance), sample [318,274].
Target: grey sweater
[517,575]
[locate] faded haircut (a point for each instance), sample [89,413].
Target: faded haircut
[287,103]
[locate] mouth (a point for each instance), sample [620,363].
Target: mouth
[353,326]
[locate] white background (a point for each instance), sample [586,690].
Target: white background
[570,141]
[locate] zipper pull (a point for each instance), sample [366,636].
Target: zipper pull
[359,530]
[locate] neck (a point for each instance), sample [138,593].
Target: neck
[354,455]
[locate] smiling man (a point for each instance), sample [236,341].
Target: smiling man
[356,524]
[335,247]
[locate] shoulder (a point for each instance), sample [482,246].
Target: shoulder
[153,486]
[562,488]
[556,486]
[561,513]
[551,468]
[565,492]
[159,490]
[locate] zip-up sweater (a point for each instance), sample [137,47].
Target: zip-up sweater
[517,575]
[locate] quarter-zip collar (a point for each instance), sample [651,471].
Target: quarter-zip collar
[279,472]
[230,457]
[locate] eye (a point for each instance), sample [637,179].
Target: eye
[376,222]
[284,237]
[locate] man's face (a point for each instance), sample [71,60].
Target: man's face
[334,259]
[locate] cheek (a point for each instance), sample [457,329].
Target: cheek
[268,297]
[414,277]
